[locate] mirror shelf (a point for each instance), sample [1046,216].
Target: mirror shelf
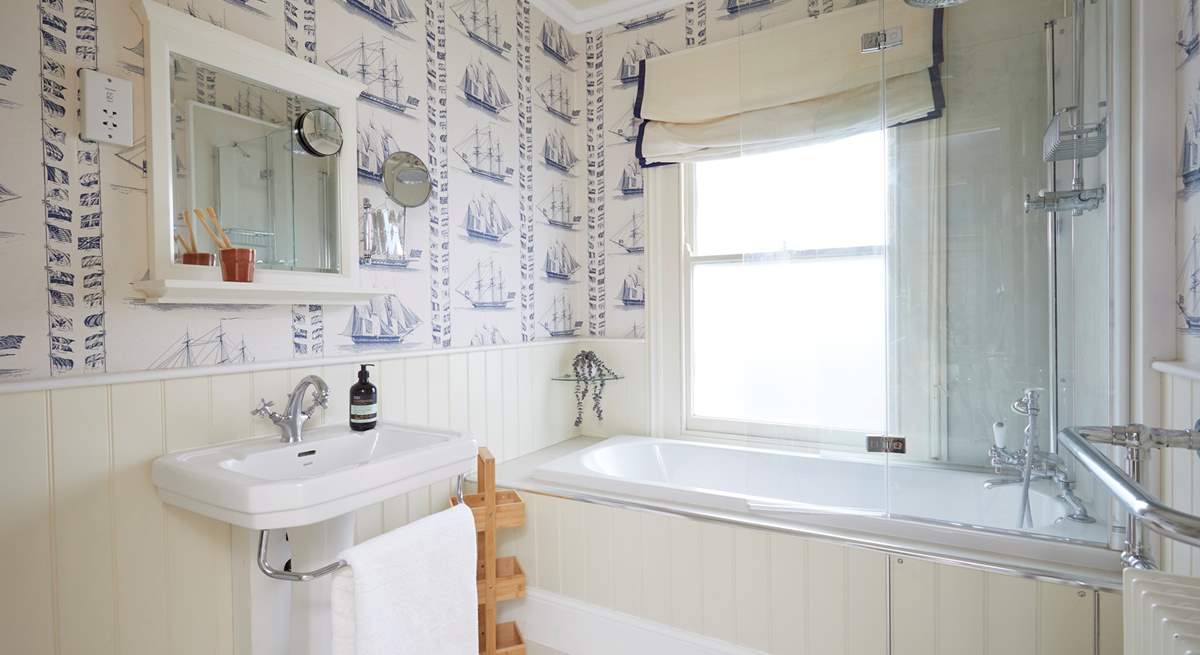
[217,292]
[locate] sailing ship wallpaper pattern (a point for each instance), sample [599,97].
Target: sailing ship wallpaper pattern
[535,227]
[451,80]
[1188,218]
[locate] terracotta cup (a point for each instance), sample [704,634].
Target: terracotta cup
[198,258]
[237,264]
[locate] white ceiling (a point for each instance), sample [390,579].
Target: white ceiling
[582,15]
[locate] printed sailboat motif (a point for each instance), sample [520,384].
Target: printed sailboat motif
[488,335]
[627,126]
[556,43]
[195,13]
[247,5]
[10,346]
[560,264]
[1189,304]
[213,348]
[734,7]
[482,88]
[135,155]
[648,19]
[481,152]
[632,59]
[631,180]
[137,50]
[560,320]
[381,321]
[11,342]
[1189,164]
[632,236]
[485,287]
[633,293]
[1189,36]
[556,97]
[482,24]
[556,208]
[374,146]
[557,153]
[383,238]
[485,220]
[7,194]
[392,13]
[248,102]
[369,63]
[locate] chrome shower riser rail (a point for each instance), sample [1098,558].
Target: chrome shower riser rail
[1126,486]
[306,576]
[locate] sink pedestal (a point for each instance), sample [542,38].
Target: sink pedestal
[314,546]
[290,618]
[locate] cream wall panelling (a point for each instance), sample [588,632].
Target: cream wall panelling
[780,593]
[1180,469]
[99,566]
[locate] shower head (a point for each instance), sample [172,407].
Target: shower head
[933,4]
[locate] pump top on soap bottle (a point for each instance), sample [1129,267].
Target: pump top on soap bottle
[364,402]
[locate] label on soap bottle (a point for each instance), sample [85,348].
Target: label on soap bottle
[363,411]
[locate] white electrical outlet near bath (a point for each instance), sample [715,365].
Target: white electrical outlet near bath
[107,108]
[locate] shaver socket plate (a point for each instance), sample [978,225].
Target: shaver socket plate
[106,108]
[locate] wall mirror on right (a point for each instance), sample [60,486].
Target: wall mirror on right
[934,261]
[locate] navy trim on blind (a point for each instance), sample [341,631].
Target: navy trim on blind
[935,81]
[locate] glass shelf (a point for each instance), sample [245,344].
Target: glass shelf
[572,378]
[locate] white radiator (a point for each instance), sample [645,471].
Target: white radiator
[1162,613]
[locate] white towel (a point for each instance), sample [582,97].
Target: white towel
[410,591]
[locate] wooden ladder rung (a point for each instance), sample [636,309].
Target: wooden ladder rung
[498,578]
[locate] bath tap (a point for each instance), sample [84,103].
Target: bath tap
[291,423]
[1030,464]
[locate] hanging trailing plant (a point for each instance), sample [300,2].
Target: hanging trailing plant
[590,373]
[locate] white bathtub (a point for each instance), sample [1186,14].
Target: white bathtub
[910,502]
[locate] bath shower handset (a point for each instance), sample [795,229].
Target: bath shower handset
[1031,463]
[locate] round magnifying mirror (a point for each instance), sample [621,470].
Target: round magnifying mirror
[319,133]
[406,179]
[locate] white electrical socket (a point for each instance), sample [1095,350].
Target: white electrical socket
[106,108]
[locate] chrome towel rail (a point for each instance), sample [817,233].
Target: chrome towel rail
[306,576]
[1126,486]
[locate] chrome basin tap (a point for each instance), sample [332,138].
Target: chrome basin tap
[291,423]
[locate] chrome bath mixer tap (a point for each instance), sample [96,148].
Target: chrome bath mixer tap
[1031,463]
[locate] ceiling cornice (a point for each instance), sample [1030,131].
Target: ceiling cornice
[610,13]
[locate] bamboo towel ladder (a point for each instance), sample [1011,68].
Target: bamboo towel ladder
[499,579]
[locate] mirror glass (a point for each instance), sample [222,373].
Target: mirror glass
[319,132]
[406,179]
[237,149]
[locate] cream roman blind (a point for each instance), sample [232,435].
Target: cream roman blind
[803,82]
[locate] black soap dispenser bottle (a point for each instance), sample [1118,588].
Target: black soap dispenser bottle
[364,402]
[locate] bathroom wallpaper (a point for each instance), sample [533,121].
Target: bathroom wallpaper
[488,92]
[528,131]
[1187,316]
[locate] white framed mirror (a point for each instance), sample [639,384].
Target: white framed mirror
[247,141]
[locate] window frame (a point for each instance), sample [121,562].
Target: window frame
[670,194]
[694,422]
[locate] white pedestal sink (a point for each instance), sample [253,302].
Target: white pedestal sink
[312,488]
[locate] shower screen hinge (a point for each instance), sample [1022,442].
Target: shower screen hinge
[876,41]
[882,443]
